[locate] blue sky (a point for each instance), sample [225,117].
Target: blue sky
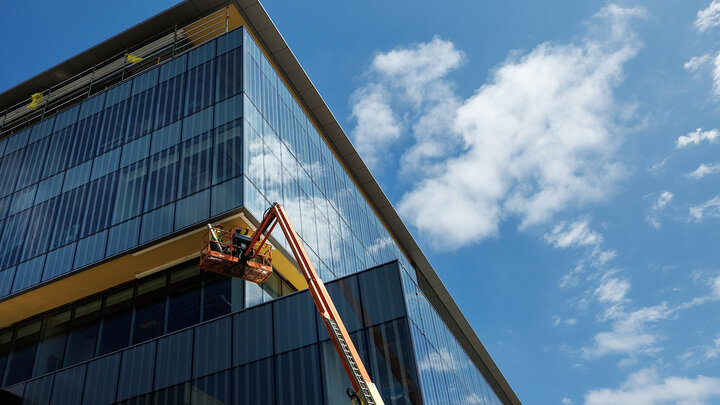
[557,161]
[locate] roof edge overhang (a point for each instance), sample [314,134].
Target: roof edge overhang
[300,84]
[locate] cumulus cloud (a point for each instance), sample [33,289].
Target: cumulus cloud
[709,17]
[696,137]
[407,92]
[710,208]
[377,126]
[630,333]
[705,170]
[645,387]
[537,138]
[696,62]
[663,200]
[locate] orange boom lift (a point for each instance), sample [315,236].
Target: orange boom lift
[251,260]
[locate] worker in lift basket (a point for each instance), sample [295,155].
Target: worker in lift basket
[217,237]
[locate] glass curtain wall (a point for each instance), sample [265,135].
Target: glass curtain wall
[126,315]
[155,154]
[246,357]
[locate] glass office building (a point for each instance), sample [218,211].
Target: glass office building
[105,190]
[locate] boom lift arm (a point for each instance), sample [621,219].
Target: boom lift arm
[252,264]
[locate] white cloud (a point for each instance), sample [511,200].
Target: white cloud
[557,320]
[713,351]
[377,126]
[612,290]
[696,137]
[408,93]
[716,75]
[566,401]
[696,62]
[630,333]
[705,170]
[578,233]
[710,208]
[663,200]
[537,138]
[645,387]
[709,17]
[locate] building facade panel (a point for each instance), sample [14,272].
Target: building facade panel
[155,154]
[254,346]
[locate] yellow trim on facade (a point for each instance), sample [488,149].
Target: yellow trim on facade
[123,269]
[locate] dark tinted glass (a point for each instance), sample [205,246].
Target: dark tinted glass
[214,389]
[170,96]
[38,391]
[174,358]
[298,377]
[228,152]
[382,294]
[59,150]
[212,347]
[41,219]
[113,128]
[5,342]
[175,395]
[83,336]
[149,310]
[68,386]
[252,334]
[116,321]
[255,383]
[162,172]
[136,371]
[229,76]
[184,298]
[22,358]
[33,164]
[392,362]
[9,167]
[52,348]
[85,139]
[130,191]
[195,164]
[102,380]
[200,86]
[100,196]
[295,313]
[140,116]
[218,296]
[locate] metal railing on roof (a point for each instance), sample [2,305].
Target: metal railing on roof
[111,71]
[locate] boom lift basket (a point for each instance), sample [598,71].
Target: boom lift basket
[224,258]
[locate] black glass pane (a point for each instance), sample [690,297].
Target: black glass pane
[113,128]
[68,386]
[200,86]
[5,344]
[83,336]
[382,296]
[298,377]
[116,321]
[136,371]
[149,310]
[22,358]
[255,383]
[252,334]
[211,390]
[140,116]
[174,359]
[392,363]
[212,347]
[52,348]
[102,380]
[175,395]
[184,298]
[170,97]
